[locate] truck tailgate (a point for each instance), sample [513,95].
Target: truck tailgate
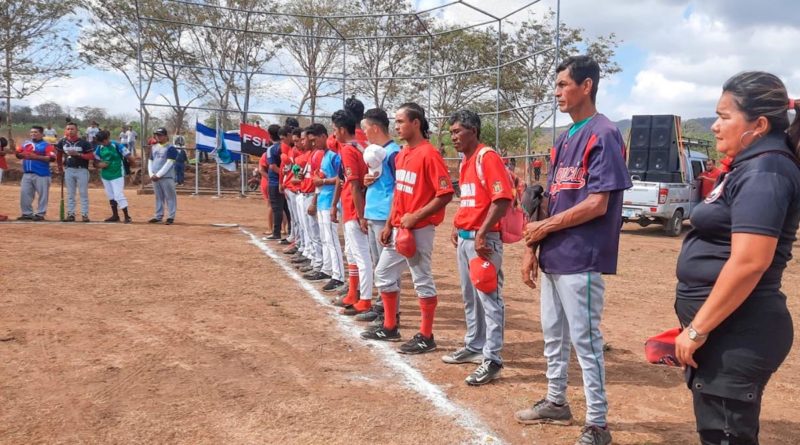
[642,194]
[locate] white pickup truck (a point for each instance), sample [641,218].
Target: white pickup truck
[667,199]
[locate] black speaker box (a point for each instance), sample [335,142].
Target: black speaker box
[662,132]
[640,132]
[637,159]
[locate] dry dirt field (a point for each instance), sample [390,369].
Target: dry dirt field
[190,334]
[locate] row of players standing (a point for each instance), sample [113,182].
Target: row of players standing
[576,246]
[73,155]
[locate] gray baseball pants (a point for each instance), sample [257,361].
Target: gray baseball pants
[572,306]
[484,313]
[77,177]
[165,194]
[391,265]
[32,185]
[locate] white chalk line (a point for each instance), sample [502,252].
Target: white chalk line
[412,376]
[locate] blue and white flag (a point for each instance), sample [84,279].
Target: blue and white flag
[224,156]
[233,142]
[205,138]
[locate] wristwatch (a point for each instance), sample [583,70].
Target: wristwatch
[694,335]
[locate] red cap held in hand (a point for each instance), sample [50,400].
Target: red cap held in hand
[483,275]
[404,243]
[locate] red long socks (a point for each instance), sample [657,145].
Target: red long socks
[352,292]
[428,307]
[389,309]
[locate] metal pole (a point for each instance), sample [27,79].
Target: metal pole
[219,191]
[497,92]
[196,170]
[430,72]
[344,73]
[142,128]
[528,146]
[555,63]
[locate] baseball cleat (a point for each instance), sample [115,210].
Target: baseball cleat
[486,372]
[382,334]
[418,345]
[545,411]
[463,355]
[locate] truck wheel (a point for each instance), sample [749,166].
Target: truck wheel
[675,224]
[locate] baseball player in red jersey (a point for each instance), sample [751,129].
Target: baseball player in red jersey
[486,192]
[356,241]
[422,190]
[305,198]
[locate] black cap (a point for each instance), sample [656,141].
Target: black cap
[161,131]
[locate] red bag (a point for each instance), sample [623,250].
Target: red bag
[660,349]
[512,224]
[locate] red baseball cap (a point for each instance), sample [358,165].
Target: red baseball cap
[660,349]
[483,275]
[404,243]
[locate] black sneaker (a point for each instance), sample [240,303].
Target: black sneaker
[316,276]
[331,285]
[25,218]
[299,259]
[382,334]
[284,242]
[486,372]
[38,218]
[305,268]
[169,221]
[128,220]
[272,238]
[418,345]
[70,218]
[85,218]
[291,251]
[110,219]
[154,221]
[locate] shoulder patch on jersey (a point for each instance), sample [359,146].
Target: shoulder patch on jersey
[443,182]
[497,187]
[348,171]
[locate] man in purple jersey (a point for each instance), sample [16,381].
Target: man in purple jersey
[577,235]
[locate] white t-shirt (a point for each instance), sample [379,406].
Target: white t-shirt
[91,132]
[123,137]
[51,132]
[131,136]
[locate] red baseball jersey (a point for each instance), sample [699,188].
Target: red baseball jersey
[302,161]
[263,162]
[354,169]
[332,144]
[421,175]
[477,195]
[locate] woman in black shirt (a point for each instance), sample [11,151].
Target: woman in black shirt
[738,330]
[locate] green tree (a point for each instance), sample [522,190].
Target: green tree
[34,46]
[376,65]
[315,45]
[527,85]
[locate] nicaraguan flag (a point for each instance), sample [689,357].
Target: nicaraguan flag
[224,156]
[205,138]
[234,144]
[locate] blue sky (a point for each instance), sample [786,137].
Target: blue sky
[675,54]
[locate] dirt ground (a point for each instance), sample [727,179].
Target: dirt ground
[189,333]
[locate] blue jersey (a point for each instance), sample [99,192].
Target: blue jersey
[381,192]
[274,158]
[590,161]
[331,163]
